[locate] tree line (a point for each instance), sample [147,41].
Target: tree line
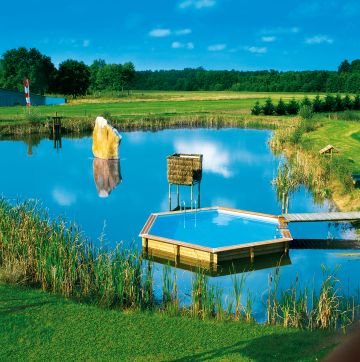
[73,77]
[329,103]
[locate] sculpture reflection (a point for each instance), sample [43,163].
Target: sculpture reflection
[107,175]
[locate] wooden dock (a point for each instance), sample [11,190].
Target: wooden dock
[323,216]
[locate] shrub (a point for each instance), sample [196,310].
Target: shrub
[356,103]
[297,135]
[268,107]
[347,103]
[338,105]
[106,115]
[256,110]
[306,102]
[292,107]
[317,104]
[329,103]
[306,112]
[280,109]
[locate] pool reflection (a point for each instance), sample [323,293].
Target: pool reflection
[224,268]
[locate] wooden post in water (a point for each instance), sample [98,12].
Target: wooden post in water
[198,205]
[169,197]
[177,196]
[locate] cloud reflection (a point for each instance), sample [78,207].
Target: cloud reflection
[215,160]
[63,197]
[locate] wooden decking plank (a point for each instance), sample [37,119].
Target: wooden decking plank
[322,216]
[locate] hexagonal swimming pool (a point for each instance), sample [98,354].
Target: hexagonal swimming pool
[213,235]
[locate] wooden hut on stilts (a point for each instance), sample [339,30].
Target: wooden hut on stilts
[184,169]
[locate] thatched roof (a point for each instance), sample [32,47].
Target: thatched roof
[184,169]
[329,149]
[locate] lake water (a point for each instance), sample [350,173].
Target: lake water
[238,168]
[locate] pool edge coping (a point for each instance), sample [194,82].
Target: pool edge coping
[151,219]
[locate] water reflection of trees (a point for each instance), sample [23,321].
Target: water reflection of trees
[107,175]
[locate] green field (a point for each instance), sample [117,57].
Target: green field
[40,326]
[154,104]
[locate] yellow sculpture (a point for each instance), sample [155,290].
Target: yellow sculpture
[106,140]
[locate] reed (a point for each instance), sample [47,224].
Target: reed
[55,256]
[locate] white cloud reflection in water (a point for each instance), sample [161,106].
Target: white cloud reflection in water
[215,158]
[63,197]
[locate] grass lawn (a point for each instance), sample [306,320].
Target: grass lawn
[344,135]
[155,104]
[40,326]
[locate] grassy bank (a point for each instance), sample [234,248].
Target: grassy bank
[40,326]
[144,111]
[327,176]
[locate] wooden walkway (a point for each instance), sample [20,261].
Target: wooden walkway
[323,216]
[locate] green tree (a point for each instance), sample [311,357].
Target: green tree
[109,77]
[356,103]
[292,107]
[355,66]
[268,108]
[317,104]
[73,77]
[20,63]
[344,66]
[280,108]
[338,106]
[94,68]
[347,102]
[306,101]
[127,75]
[328,104]
[256,110]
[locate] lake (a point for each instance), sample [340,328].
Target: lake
[238,168]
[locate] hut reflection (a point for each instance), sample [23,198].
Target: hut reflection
[107,175]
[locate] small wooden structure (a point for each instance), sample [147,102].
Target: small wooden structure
[184,169]
[329,150]
[56,131]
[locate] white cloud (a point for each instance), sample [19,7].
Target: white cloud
[281,31]
[257,50]
[197,4]
[160,33]
[215,158]
[216,47]
[268,39]
[63,197]
[178,45]
[183,31]
[319,39]
[86,43]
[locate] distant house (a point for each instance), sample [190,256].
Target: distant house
[14,98]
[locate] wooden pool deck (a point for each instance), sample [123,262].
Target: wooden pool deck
[322,216]
[184,251]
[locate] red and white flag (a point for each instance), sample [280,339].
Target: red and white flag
[27,91]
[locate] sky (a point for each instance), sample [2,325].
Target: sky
[177,34]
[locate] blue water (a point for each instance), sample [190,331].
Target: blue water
[238,168]
[215,229]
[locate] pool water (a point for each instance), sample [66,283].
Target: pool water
[215,228]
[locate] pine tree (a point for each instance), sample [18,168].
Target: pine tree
[268,107]
[317,104]
[256,110]
[280,109]
[292,107]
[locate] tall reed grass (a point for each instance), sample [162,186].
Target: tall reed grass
[55,256]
